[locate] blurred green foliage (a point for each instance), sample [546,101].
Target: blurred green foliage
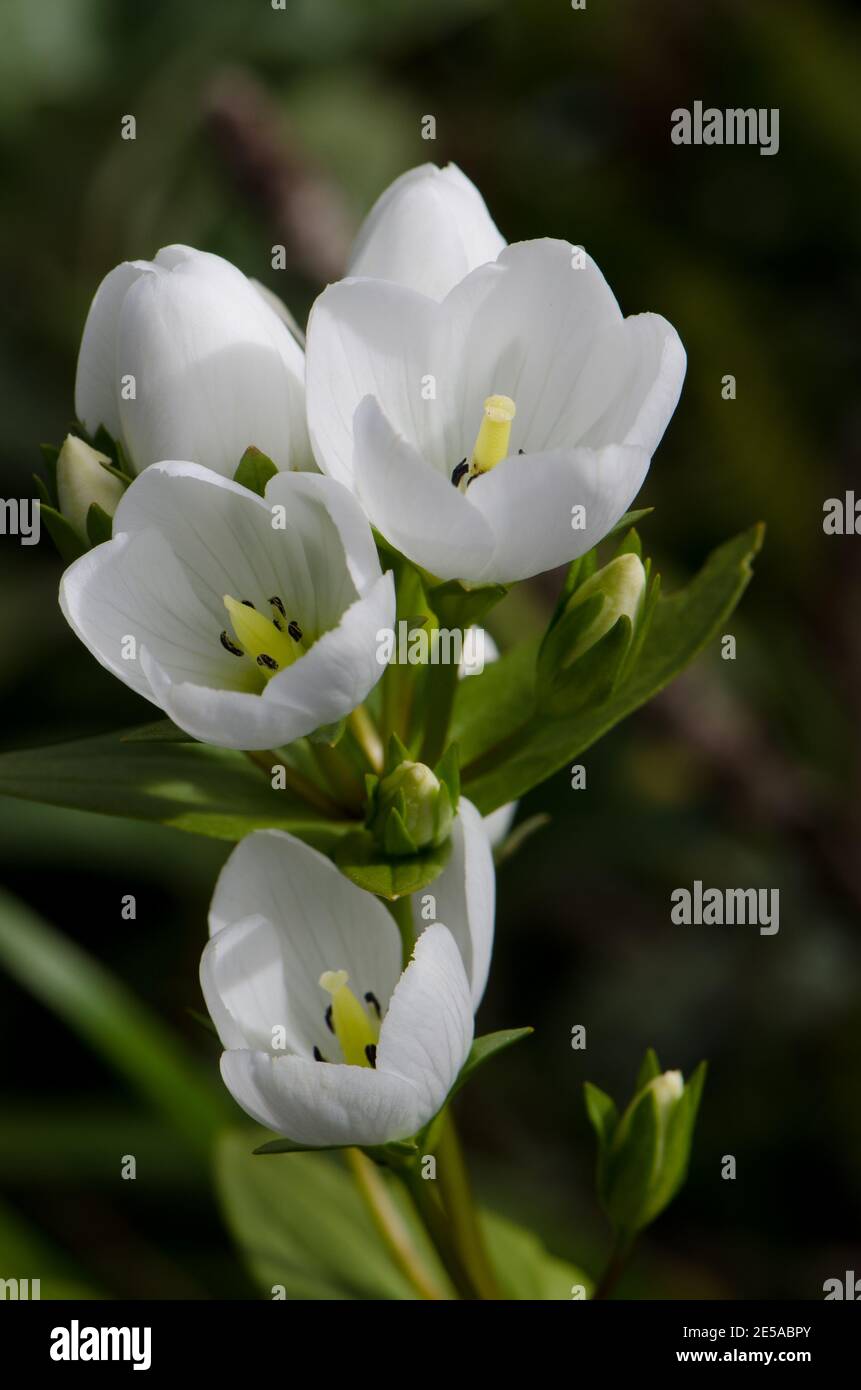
[744,773]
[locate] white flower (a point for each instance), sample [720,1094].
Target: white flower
[246,634]
[428,230]
[424,409]
[328,1041]
[183,357]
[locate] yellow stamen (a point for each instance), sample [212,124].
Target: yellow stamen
[270,647]
[491,446]
[354,1028]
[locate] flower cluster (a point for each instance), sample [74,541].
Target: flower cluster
[249,516]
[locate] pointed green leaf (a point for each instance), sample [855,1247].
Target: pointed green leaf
[67,541]
[99,525]
[484,1048]
[360,858]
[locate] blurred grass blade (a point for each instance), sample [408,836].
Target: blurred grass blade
[101,1010]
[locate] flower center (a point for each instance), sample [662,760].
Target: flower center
[355,1027]
[491,444]
[271,642]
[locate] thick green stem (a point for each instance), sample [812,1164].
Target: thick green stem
[442,688]
[339,776]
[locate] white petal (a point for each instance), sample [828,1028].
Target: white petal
[428,230]
[96,382]
[415,507]
[324,685]
[629,386]
[318,1104]
[212,365]
[226,540]
[499,822]
[465,896]
[428,1030]
[528,503]
[243,979]
[133,587]
[321,921]
[349,518]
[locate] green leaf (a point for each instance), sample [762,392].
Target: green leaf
[254,470]
[484,1048]
[507,747]
[649,1069]
[160,731]
[26,1254]
[525,1269]
[190,786]
[602,1113]
[67,540]
[301,1223]
[99,525]
[101,1011]
[360,858]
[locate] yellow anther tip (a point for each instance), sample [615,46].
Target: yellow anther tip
[500,408]
[333,980]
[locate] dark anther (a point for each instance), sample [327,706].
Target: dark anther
[329,1024]
[520,451]
[276,603]
[371,1053]
[246,603]
[318,1056]
[275,623]
[374,1002]
[230,646]
[268,661]
[458,472]
[295,631]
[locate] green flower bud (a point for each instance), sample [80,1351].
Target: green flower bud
[83,479]
[412,810]
[643,1155]
[621,585]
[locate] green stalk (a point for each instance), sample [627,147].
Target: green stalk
[440,1231]
[614,1270]
[460,1207]
[304,788]
[400,910]
[439,698]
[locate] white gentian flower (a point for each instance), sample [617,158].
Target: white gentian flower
[428,230]
[183,357]
[501,432]
[250,621]
[328,1041]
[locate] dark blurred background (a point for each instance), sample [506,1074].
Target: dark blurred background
[255,127]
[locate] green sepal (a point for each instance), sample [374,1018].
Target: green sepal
[397,840]
[43,490]
[254,470]
[100,526]
[330,734]
[359,857]
[483,1049]
[457,606]
[67,541]
[160,731]
[448,772]
[396,754]
[518,836]
[592,678]
[650,1067]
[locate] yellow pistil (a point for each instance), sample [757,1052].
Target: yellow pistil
[272,643]
[352,1024]
[491,446]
